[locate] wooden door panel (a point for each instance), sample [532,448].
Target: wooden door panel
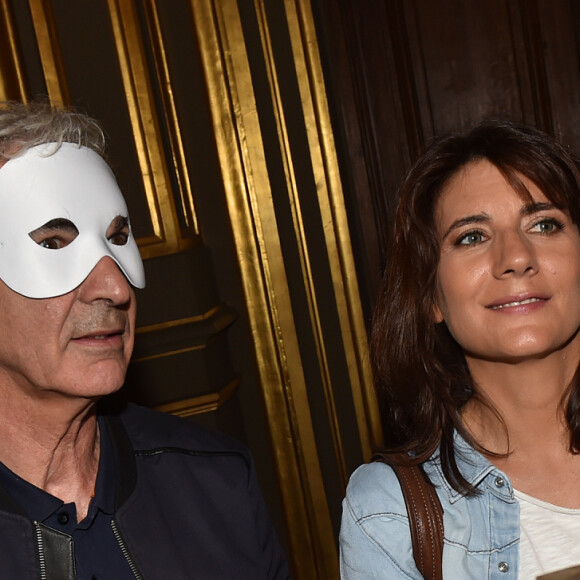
[405,71]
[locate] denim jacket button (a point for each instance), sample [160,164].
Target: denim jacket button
[503,566]
[499,481]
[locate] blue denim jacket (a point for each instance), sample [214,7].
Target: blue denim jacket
[482,532]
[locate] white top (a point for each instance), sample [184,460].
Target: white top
[549,538]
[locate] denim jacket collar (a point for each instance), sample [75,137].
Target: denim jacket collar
[474,467]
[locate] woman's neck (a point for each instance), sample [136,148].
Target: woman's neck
[527,396]
[518,415]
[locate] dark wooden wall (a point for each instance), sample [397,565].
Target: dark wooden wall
[403,71]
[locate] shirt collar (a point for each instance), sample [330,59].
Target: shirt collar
[39,505]
[474,467]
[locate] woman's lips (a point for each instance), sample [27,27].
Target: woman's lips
[516,303]
[526,301]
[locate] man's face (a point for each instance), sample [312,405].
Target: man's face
[77,344]
[67,310]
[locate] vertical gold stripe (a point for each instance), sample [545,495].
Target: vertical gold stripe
[49,49]
[140,102]
[248,191]
[176,141]
[301,239]
[12,80]
[331,201]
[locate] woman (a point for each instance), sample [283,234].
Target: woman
[476,351]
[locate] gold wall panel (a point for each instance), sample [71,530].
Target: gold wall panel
[146,131]
[176,142]
[300,233]
[265,277]
[331,203]
[332,206]
[249,197]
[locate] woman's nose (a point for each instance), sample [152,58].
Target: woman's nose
[514,254]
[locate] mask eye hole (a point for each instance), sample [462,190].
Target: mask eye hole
[55,234]
[118,231]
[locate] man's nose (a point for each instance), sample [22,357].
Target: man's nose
[514,254]
[107,282]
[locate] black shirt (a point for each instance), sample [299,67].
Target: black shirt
[98,555]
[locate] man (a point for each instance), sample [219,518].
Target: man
[86,491]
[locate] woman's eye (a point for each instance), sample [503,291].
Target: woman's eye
[470,239]
[548,226]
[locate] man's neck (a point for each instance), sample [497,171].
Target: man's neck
[54,447]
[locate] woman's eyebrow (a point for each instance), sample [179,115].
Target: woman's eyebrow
[536,207]
[465,221]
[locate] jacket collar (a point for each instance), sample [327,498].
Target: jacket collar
[474,467]
[125,464]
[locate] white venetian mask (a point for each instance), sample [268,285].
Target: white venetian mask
[74,186]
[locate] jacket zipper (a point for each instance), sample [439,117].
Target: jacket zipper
[125,551]
[40,551]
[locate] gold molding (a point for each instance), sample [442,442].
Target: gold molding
[201,331]
[331,202]
[176,142]
[178,322]
[300,234]
[12,79]
[49,50]
[202,403]
[167,353]
[251,209]
[167,237]
[140,102]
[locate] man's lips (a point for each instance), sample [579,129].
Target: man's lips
[100,335]
[515,301]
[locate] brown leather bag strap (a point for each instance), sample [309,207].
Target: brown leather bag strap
[425,516]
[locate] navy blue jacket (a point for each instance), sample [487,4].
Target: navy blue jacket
[188,507]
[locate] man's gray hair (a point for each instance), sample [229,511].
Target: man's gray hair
[26,125]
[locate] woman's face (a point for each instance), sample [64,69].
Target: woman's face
[508,281]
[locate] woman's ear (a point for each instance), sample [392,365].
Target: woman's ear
[437,314]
